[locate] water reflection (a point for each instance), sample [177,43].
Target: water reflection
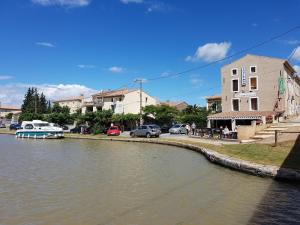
[91,182]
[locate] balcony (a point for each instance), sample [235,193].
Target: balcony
[98,103]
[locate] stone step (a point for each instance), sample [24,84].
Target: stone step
[275,128]
[263,136]
[267,132]
[246,141]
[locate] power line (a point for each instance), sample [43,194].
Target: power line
[230,56]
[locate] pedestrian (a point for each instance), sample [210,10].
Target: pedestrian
[188,129]
[221,132]
[193,128]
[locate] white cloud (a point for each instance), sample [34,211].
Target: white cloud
[195,81]
[67,3]
[5,77]
[254,24]
[13,94]
[131,1]
[296,55]
[210,52]
[291,42]
[86,66]
[116,69]
[45,44]
[297,68]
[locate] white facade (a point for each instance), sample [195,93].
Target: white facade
[74,104]
[121,101]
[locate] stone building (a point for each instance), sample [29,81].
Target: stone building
[257,88]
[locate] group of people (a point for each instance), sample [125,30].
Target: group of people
[190,129]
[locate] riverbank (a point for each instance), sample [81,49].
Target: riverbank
[279,162]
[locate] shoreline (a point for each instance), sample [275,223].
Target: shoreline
[261,170]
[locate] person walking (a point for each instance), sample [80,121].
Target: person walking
[193,128]
[188,129]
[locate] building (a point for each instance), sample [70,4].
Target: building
[178,105]
[257,88]
[74,103]
[214,103]
[5,110]
[119,101]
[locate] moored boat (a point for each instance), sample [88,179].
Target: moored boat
[39,129]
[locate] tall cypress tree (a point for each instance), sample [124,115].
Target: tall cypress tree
[43,104]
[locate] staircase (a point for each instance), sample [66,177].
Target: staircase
[270,131]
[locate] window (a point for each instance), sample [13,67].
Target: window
[252,69]
[146,100]
[120,99]
[253,83]
[29,126]
[112,99]
[234,72]
[235,104]
[254,104]
[235,85]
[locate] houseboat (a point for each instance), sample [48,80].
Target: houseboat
[39,129]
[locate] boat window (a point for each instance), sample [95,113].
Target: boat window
[28,126]
[41,124]
[176,126]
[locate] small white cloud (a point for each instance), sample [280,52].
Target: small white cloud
[292,42]
[195,81]
[116,69]
[296,55]
[297,68]
[210,52]
[254,24]
[159,7]
[45,44]
[131,1]
[86,66]
[13,94]
[5,77]
[66,3]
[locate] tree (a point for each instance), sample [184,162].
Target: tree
[9,116]
[194,114]
[160,114]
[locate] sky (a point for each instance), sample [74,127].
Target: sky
[70,47]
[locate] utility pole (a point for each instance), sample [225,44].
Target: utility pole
[140,81]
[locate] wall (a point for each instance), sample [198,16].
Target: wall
[73,105]
[268,71]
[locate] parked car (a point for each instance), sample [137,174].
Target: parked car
[15,126]
[165,129]
[178,129]
[146,131]
[81,129]
[64,127]
[2,125]
[113,131]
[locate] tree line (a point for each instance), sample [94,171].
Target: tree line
[36,106]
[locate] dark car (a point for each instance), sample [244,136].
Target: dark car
[15,126]
[81,129]
[146,131]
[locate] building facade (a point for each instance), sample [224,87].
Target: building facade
[214,103]
[255,87]
[5,110]
[75,103]
[119,101]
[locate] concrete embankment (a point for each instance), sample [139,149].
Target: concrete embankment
[213,156]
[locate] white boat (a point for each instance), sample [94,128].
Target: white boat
[39,129]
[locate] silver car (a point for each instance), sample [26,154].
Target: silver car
[146,131]
[178,129]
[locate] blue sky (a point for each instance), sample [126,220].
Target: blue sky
[68,47]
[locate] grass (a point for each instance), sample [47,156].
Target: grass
[286,154]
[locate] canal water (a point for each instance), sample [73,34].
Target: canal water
[82,182]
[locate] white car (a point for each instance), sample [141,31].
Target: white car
[178,129]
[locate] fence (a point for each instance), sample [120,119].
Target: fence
[283,132]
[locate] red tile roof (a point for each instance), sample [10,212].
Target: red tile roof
[213,97]
[9,108]
[79,98]
[114,93]
[242,115]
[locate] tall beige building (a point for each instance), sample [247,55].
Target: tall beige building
[258,87]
